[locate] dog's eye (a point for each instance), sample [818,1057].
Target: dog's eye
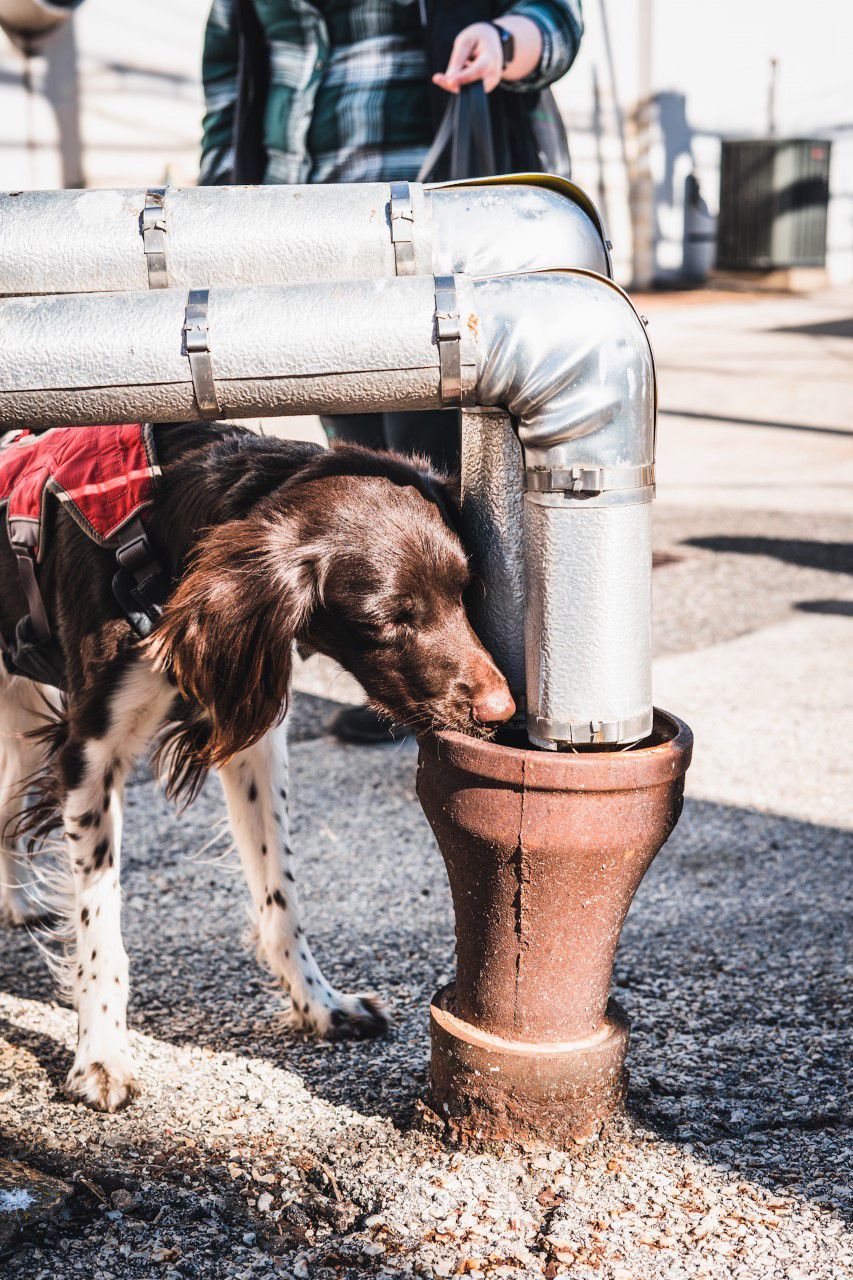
[404,615]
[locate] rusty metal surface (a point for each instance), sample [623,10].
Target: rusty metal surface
[488,1090]
[544,854]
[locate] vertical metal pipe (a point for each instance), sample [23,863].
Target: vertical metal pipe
[574,367]
[493,515]
[588,575]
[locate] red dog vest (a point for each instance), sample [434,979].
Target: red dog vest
[104,478]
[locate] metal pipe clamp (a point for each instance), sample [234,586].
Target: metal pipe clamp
[449,337]
[197,347]
[153,228]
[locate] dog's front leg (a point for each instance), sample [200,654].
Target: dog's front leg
[255,786]
[102,1074]
[94,771]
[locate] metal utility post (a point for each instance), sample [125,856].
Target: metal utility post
[771,97]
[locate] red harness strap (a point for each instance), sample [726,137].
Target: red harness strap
[103,476]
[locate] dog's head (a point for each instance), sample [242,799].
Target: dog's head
[358,555]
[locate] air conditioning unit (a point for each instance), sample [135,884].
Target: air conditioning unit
[774,195]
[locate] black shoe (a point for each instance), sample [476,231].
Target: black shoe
[365,726]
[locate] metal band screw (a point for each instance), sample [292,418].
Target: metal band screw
[551,734]
[590,480]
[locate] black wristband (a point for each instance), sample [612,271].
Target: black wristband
[507,43]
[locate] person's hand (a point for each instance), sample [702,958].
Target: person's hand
[477,54]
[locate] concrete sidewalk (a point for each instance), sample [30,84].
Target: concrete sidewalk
[255,1153]
[755,452]
[755,403]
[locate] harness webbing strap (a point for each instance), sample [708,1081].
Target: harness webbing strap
[35,599]
[139,584]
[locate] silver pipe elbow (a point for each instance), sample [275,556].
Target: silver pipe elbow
[524,223]
[568,356]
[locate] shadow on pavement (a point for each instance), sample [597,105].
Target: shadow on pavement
[834,557]
[840,608]
[737,420]
[731,967]
[840,328]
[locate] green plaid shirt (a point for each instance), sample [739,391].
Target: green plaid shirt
[348,97]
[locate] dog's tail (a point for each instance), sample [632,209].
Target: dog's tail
[40,812]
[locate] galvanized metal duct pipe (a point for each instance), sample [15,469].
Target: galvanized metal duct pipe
[493,518]
[90,241]
[563,352]
[574,367]
[105,241]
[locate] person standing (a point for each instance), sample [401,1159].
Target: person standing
[303,91]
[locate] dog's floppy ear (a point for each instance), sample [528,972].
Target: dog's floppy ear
[228,629]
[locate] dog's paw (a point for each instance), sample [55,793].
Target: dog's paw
[104,1086]
[344,1017]
[357,1017]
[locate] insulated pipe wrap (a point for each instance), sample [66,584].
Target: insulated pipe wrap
[573,364]
[588,622]
[482,230]
[101,358]
[493,516]
[91,241]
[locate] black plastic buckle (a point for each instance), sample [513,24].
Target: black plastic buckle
[40,660]
[140,584]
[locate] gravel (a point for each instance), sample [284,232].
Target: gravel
[253,1152]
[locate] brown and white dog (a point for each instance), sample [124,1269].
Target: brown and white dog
[265,542]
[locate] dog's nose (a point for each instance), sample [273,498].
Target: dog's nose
[493,704]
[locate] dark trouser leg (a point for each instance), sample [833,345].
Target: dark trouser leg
[366,429]
[431,432]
